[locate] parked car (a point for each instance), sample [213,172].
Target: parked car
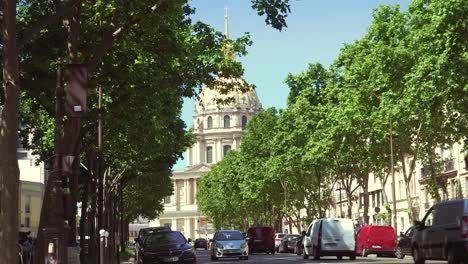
[229,244]
[376,239]
[166,247]
[299,248]
[330,237]
[443,233]
[261,239]
[288,243]
[200,243]
[278,237]
[142,234]
[404,243]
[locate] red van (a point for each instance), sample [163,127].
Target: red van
[374,239]
[261,239]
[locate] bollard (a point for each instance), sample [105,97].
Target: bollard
[103,234]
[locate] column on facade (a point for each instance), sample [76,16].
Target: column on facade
[187,230]
[195,190]
[189,156]
[174,223]
[234,143]
[175,201]
[201,152]
[215,151]
[187,191]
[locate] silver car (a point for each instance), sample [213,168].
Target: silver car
[229,244]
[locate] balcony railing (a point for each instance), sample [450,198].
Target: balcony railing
[443,166]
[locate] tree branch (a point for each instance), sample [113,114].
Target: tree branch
[46,21]
[114,33]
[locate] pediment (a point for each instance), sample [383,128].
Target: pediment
[199,168]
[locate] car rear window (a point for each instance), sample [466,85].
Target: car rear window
[165,238]
[281,235]
[262,232]
[338,228]
[381,231]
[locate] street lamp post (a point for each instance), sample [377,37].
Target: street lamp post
[394,214]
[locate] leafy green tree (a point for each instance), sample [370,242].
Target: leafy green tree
[438,81]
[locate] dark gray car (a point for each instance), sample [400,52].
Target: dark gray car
[443,233]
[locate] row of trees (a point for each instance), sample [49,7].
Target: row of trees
[146,56]
[405,79]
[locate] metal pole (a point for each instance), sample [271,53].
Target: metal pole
[394,213]
[102,246]
[341,204]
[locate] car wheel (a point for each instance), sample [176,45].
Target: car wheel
[316,253]
[273,252]
[364,252]
[452,256]
[399,254]
[352,257]
[213,258]
[418,257]
[339,257]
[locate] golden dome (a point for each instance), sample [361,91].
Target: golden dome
[215,98]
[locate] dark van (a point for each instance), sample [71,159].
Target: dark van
[443,233]
[261,239]
[375,239]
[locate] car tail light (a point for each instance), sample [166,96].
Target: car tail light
[464,227]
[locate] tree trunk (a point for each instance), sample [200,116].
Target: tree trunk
[92,218]
[9,118]
[365,189]
[84,214]
[430,152]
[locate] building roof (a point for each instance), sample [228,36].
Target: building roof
[240,95]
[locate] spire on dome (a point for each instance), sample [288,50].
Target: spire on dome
[227,47]
[226,23]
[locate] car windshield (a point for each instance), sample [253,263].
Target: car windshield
[229,235]
[293,237]
[281,235]
[165,238]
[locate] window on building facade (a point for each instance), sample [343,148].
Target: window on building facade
[400,189]
[378,198]
[27,222]
[402,223]
[167,199]
[27,204]
[209,122]
[226,148]
[209,154]
[227,121]
[244,122]
[373,199]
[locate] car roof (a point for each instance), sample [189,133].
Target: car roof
[451,201]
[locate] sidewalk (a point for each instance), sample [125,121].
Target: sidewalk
[128,257]
[131,260]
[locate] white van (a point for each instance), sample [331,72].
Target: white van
[330,237]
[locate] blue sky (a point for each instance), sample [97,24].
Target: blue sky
[316,32]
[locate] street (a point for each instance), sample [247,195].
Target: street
[203,256]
